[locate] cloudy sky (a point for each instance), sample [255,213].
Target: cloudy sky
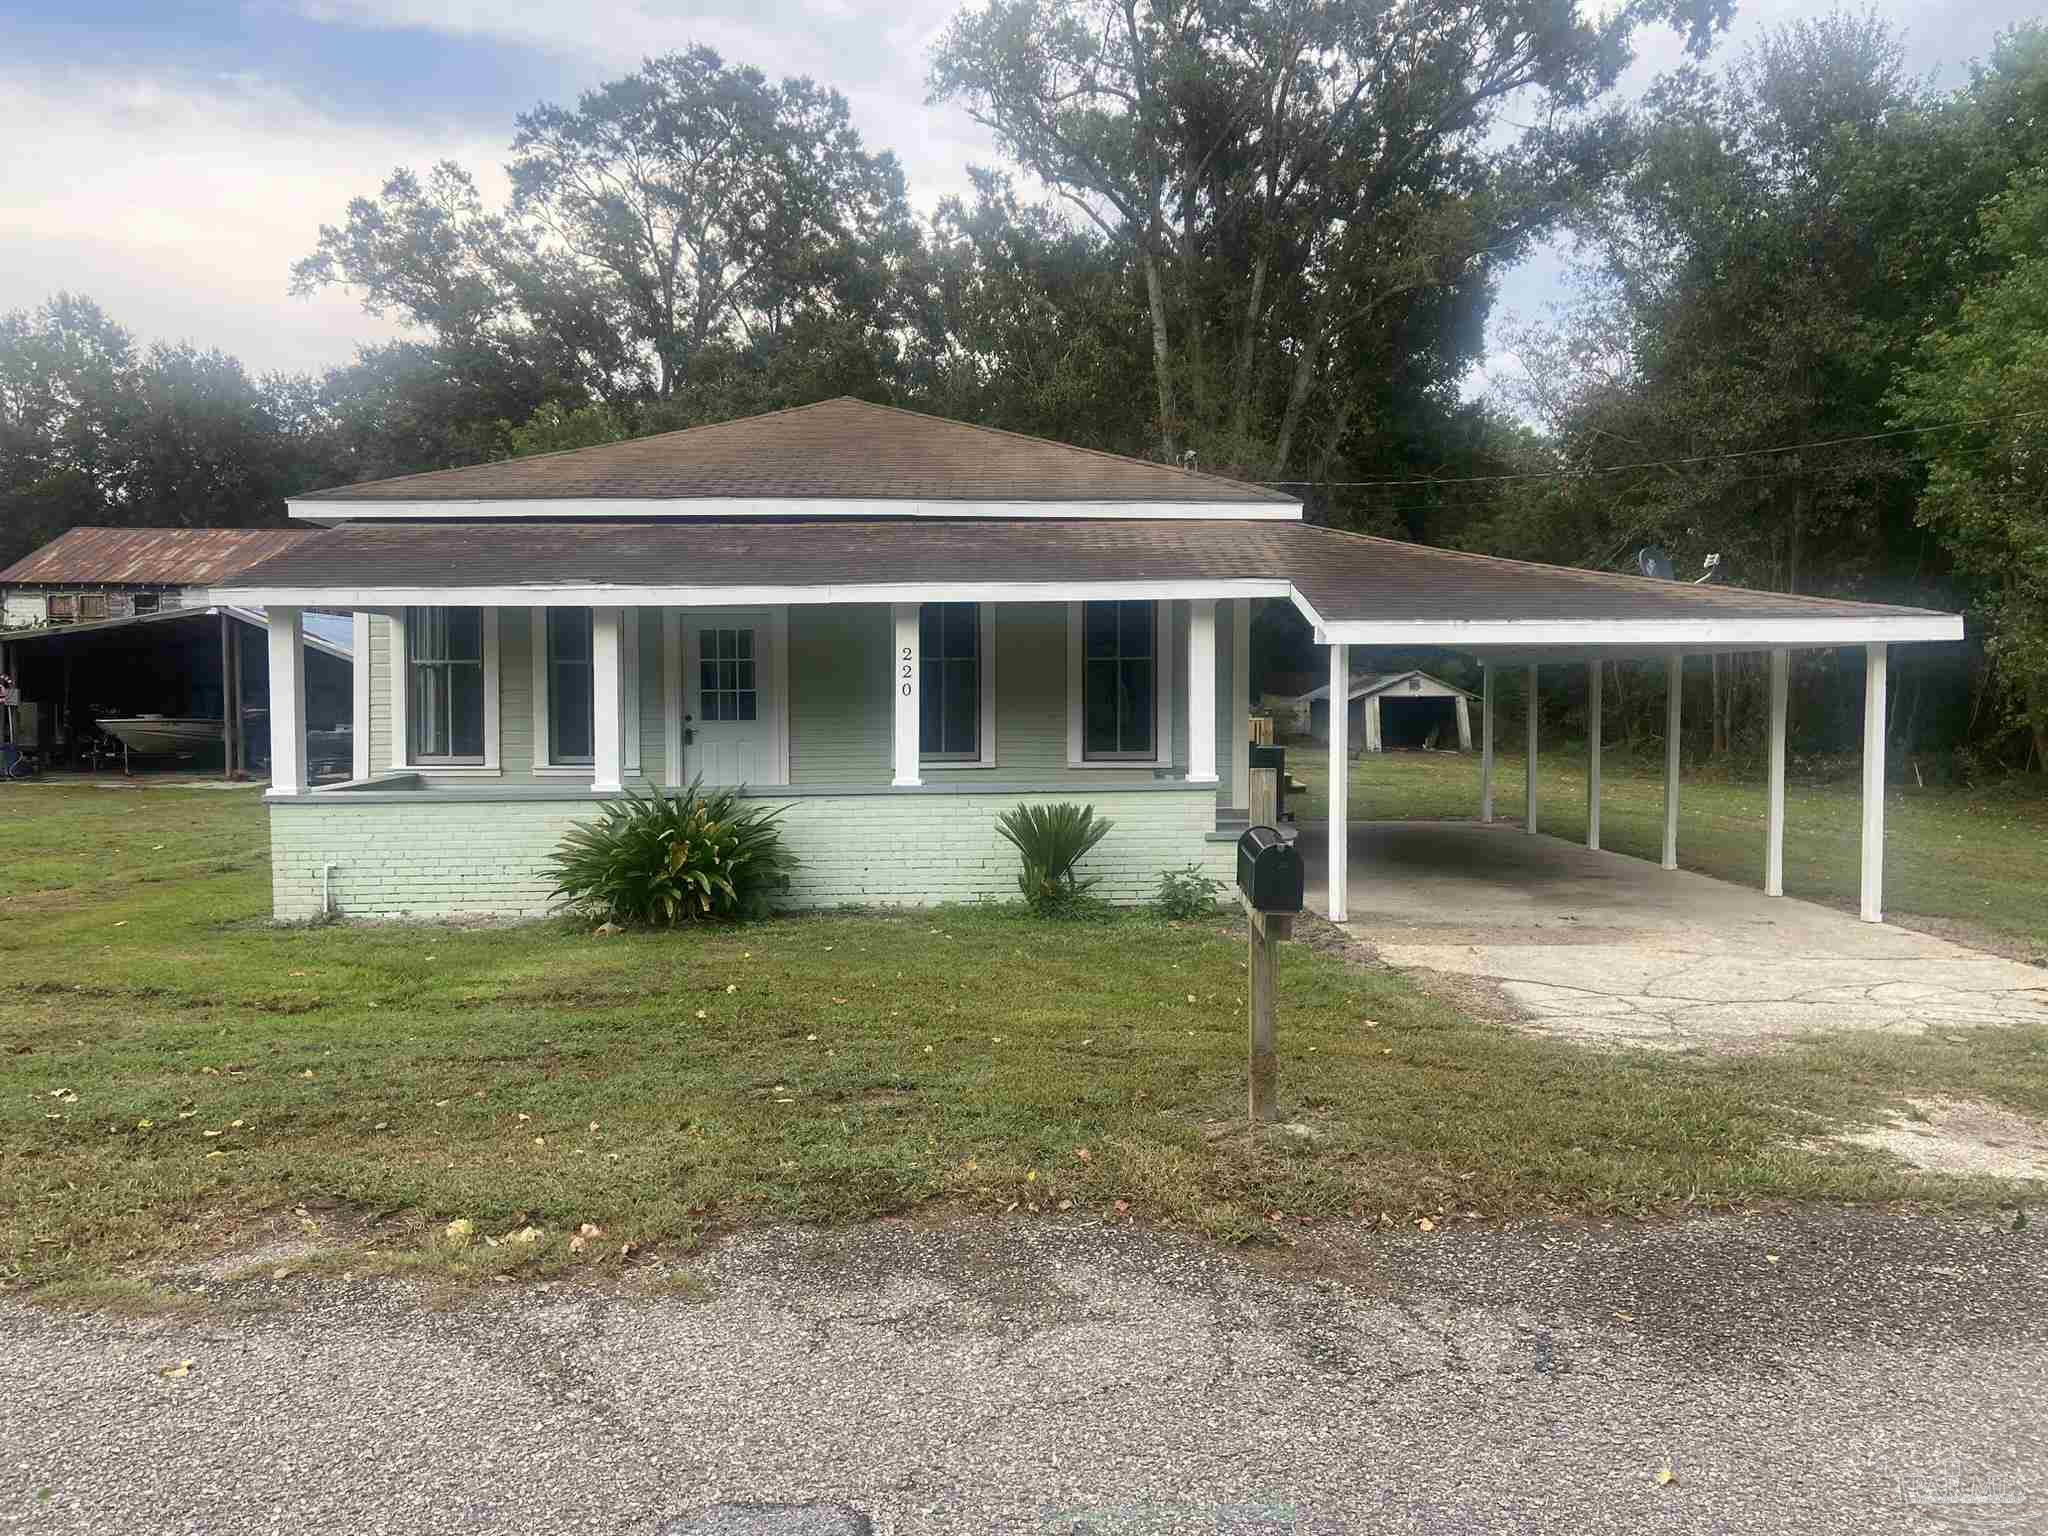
[173,157]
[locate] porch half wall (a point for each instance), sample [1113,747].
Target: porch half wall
[439,854]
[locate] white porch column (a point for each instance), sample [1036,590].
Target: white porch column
[359,695]
[904,680]
[1339,861]
[1674,708]
[1486,744]
[1774,837]
[288,701]
[1876,661]
[1202,690]
[1529,794]
[1374,742]
[607,756]
[1240,700]
[1595,676]
[1464,723]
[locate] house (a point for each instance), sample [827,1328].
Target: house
[118,623]
[892,626]
[1411,708]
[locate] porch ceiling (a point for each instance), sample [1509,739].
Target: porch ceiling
[1354,589]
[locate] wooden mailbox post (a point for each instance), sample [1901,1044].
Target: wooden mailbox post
[1268,931]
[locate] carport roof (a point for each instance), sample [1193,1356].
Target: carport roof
[1353,588]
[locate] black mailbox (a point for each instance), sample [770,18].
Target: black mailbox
[1269,871]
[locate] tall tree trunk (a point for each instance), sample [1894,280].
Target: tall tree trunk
[2037,717]
[1247,340]
[1798,528]
[1162,356]
[1297,397]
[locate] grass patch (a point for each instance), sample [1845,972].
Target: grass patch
[1974,859]
[177,1071]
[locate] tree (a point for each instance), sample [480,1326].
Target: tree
[1293,178]
[1987,479]
[681,222]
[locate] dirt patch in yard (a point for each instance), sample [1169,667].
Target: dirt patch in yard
[1960,1136]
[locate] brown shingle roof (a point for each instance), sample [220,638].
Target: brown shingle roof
[171,557]
[836,449]
[1346,577]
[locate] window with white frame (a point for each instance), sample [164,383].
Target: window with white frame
[952,683]
[571,686]
[444,654]
[726,685]
[1120,681]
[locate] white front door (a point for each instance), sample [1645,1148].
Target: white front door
[731,715]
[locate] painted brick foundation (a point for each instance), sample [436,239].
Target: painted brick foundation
[421,855]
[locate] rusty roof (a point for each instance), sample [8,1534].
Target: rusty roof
[148,557]
[837,450]
[1345,577]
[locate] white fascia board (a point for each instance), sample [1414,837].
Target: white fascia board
[771,507]
[546,596]
[1511,635]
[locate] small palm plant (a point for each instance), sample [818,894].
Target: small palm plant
[1053,839]
[664,859]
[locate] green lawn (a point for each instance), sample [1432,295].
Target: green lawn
[1974,858]
[175,1067]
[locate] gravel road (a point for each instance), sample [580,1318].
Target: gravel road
[1811,1371]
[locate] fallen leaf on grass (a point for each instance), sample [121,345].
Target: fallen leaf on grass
[460,1230]
[1426,1224]
[527,1235]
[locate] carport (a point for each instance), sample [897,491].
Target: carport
[1507,613]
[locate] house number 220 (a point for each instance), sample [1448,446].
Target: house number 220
[909,671]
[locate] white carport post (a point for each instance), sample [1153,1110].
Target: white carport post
[1593,681]
[1339,860]
[1202,691]
[905,679]
[1486,744]
[1875,664]
[1674,719]
[607,754]
[288,700]
[1529,794]
[1774,837]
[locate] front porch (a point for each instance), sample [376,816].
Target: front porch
[891,734]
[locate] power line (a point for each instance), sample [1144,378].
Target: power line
[1614,469]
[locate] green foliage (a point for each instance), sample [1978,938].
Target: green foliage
[1987,482]
[1186,893]
[1052,840]
[660,859]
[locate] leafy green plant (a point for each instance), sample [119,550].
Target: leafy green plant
[1053,839]
[664,859]
[1186,892]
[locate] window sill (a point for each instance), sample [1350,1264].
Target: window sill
[564,771]
[1147,765]
[946,764]
[450,770]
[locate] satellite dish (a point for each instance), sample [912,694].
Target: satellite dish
[1652,561]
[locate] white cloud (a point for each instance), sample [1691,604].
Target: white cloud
[876,55]
[180,207]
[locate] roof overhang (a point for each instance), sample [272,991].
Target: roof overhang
[584,595]
[712,508]
[1583,639]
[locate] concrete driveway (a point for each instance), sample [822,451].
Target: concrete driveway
[1599,946]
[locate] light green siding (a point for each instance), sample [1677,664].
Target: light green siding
[381,694]
[426,855]
[840,722]
[839,709]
